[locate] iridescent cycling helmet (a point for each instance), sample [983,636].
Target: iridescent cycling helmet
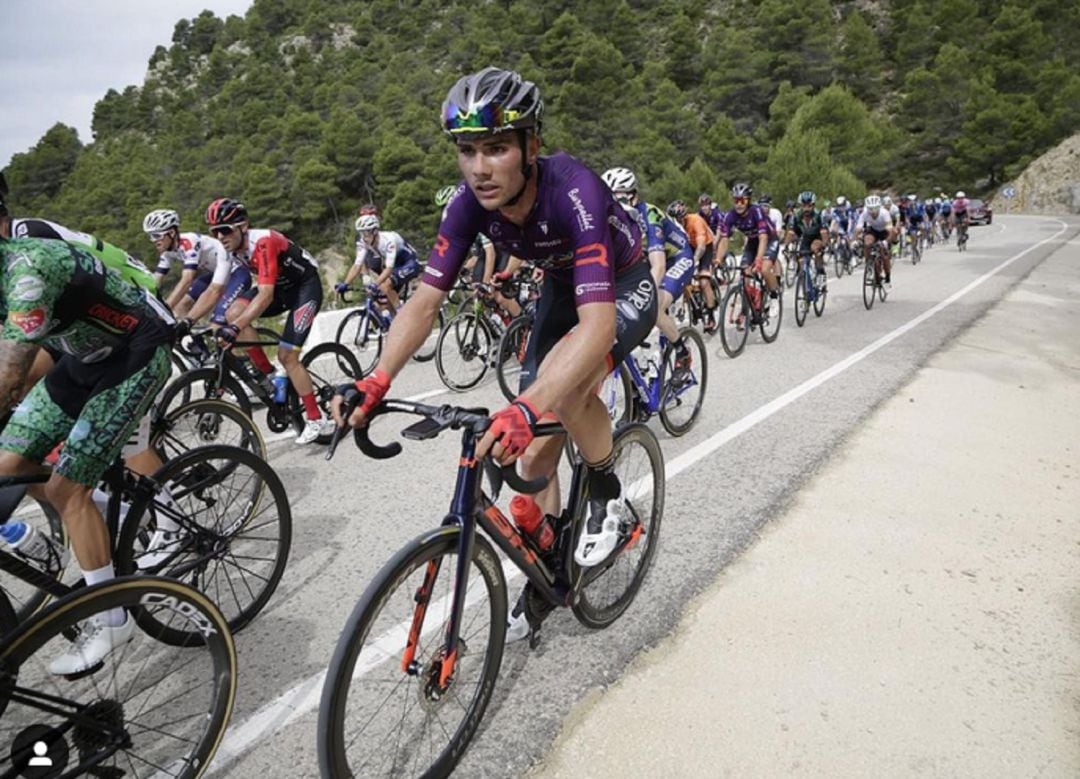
[873,202]
[742,189]
[225,211]
[367,222]
[442,197]
[704,199]
[160,220]
[620,180]
[490,102]
[676,209]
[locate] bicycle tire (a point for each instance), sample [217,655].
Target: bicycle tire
[467,339]
[351,672]
[148,704]
[203,483]
[772,316]
[819,299]
[204,417]
[329,365]
[8,620]
[365,343]
[734,310]
[675,395]
[801,303]
[868,291]
[626,567]
[791,270]
[202,383]
[512,347]
[426,353]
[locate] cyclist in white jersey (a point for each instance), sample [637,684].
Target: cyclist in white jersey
[388,257]
[210,280]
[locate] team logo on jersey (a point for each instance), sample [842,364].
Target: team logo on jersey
[112,317]
[18,258]
[544,228]
[22,230]
[32,323]
[592,254]
[442,243]
[302,317]
[27,289]
[584,218]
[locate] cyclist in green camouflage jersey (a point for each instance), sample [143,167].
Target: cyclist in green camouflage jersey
[113,339]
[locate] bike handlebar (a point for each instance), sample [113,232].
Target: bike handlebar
[436,420]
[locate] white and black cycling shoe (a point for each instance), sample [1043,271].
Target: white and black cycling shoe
[601,534]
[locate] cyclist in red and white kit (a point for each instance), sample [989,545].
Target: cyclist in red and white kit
[286,279]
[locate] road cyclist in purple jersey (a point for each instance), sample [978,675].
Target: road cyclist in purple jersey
[762,244]
[597,303]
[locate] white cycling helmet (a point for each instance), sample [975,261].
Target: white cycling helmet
[937,201]
[620,179]
[872,202]
[160,220]
[960,194]
[367,222]
[841,200]
[886,201]
[913,198]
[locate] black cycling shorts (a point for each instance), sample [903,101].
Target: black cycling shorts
[303,302]
[556,315]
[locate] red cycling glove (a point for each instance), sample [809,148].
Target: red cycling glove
[374,386]
[515,425]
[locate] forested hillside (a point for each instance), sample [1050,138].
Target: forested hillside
[306,108]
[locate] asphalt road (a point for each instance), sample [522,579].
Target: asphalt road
[772,417]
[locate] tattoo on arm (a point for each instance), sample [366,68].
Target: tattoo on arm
[15,361]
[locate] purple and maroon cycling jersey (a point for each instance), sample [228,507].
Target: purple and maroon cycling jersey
[750,223]
[576,232]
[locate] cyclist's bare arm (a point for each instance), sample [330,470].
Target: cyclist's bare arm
[15,361]
[187,277]
[206,302]
[658,261]
[354,271]
[254,309]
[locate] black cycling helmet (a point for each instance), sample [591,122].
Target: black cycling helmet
[225,211]
[790,204]
[676,209]
[742,189]
[765,200]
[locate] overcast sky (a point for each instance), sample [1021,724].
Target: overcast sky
[59,57]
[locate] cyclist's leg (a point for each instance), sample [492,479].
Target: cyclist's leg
[672,285]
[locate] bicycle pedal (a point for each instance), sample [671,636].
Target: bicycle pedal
[83,674]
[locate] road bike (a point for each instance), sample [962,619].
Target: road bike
[153,706]
[417,660]
[227,375]
[810,289]
[469,343]
[748,304]
[874,275]
[364,329]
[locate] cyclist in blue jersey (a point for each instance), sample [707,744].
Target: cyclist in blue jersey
[670,256]
[597,303]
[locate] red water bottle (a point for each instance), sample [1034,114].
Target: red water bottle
[755,295]
[528,516]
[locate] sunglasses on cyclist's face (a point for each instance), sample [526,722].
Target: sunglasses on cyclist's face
[160,236]
[740,201]
[624,197]
[221,230]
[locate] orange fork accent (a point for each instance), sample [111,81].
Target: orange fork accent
[447,669]
[638,532]
[422,596]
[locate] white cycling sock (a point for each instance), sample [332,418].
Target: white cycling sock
[111,617]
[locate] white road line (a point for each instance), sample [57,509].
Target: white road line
[305,696]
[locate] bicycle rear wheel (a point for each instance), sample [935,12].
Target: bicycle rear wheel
[147,709]
[680,403]
[734,320]
[463,351]
[384,714]
[329,365]
[236,531]
[606,590]
[427,349]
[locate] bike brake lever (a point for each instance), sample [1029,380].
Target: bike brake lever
[351,398]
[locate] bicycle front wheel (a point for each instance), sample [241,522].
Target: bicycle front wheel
[802,305]
[869,283]
[734,320]
[329,365]
[363,336]
[234,530]
[204,422]
[512,347]
[606,590]
[202,383]
[771,315]
[427,349]
[684,391]
[463,351]
[387,709]
[147,709]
